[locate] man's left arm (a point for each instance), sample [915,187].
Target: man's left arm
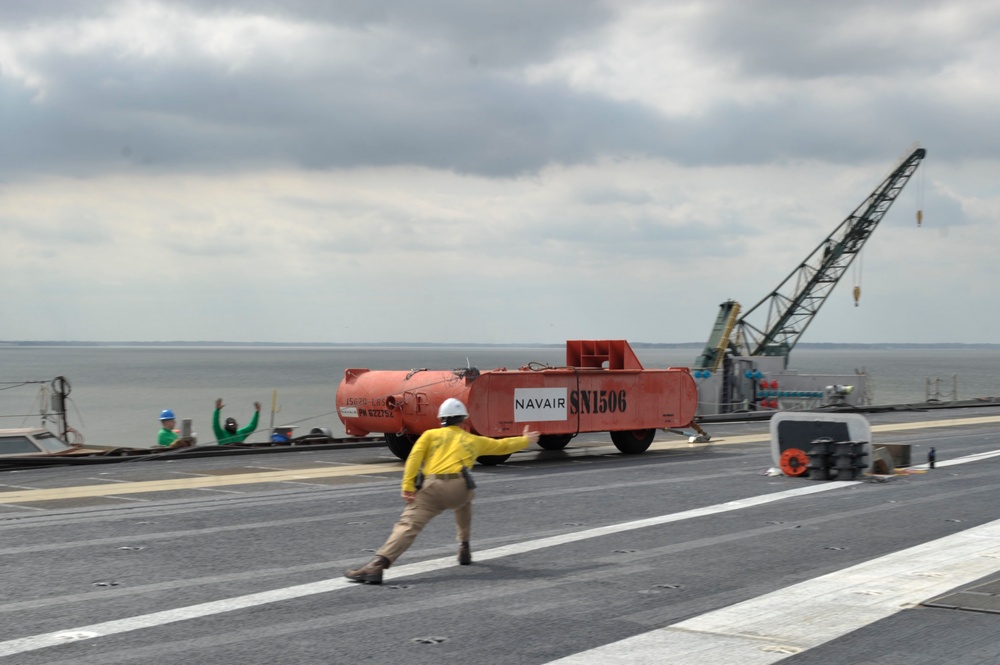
[253,421]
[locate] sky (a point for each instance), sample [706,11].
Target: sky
[498,171]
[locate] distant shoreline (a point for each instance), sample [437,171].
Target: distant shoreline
[637,345]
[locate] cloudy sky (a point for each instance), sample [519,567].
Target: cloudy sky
[496,171]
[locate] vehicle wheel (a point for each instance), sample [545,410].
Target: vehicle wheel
[399,445]
[634,441]
[492,460]
[554,441]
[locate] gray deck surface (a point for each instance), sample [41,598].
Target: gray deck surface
[76,562]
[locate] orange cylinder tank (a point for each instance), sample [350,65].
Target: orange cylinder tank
[602,388]
[397,402]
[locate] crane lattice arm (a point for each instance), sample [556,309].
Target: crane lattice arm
[791,307]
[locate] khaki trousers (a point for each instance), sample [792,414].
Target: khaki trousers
[434,498]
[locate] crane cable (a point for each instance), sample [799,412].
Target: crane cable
[857,271]
[858,264]
[921,186]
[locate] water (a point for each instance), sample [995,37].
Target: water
[118,392]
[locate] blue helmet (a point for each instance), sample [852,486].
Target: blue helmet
[167,414]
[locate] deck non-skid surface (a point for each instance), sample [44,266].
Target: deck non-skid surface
[214,477]
[688,554]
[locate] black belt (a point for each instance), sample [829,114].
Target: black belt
[445,476]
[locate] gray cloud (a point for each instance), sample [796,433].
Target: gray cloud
[609,195]
[103,108]
[377,160]
[482,34]
[21,13]
[438,85]
[809,40]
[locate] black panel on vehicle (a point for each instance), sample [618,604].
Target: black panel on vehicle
[801,433]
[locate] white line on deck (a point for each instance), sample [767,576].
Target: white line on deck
[961,460]
[880,588]
[777,625]
[126,498]
[772,627]
[35,642]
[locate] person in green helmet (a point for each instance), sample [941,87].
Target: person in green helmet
[231,432]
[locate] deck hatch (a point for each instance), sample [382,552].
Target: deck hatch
[984,597]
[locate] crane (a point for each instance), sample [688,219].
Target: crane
[789,309]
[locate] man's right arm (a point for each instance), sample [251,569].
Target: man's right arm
[415,460]
[216,427]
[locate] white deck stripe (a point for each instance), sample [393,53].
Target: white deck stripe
[44,640]
[704,642]
[773,627]
[961,460]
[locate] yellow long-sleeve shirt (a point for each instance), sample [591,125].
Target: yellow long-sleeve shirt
[448,449]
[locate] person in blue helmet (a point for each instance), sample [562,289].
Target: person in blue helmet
[168,436]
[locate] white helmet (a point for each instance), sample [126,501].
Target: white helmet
[451,408]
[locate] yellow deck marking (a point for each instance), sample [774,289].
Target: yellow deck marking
[193,483]
[937,423]
[894,427]
[360,470]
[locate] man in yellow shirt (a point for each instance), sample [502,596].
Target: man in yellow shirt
[444,456]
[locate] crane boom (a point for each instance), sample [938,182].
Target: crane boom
[790,308]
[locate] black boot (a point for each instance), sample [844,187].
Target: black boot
[464,554]
[370,573]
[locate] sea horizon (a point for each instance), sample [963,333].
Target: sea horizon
[501,345]
[118,390]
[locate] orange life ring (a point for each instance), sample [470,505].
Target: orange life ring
[794,462]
